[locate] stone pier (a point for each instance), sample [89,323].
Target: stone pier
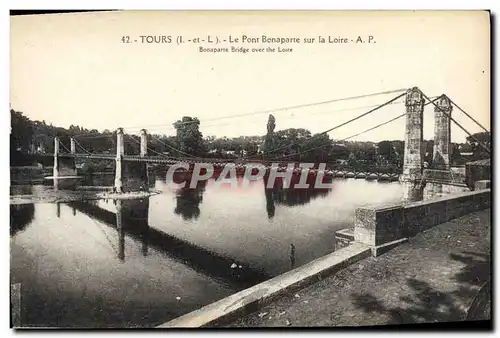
[55,171]
[144,143]
[73,146]
[130,176]
[413,154]
[120,151]
[63,166]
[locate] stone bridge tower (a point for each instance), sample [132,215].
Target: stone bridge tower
[413,148]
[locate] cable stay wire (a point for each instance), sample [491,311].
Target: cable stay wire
[458,124]
[363,115]
[62,145]
[344,139]
[132,128]
[148,148]
[162,128]
[85,150]
[273,110]
[434,98]
[338,126]
[93,135]
[173,148]
[375,127]
[139,143]
[463,111]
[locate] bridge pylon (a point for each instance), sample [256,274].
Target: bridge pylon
[144,143]
[439,177]
[130,176]
[55,171]
[73,146]
[413,147]
[120,152]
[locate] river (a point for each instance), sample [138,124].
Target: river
[139,263]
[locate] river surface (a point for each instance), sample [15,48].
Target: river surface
[143,262]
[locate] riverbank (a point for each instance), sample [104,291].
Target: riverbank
[65,196]
[434,277]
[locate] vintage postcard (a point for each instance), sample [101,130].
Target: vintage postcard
[247,169]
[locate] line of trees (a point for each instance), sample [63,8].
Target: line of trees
[291,144]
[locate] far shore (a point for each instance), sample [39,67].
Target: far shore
[65,196]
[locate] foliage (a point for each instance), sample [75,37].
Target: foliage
[21,135]
[478,151]
[294,144]
[189,138]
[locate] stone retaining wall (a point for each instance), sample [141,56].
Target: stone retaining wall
[379,227]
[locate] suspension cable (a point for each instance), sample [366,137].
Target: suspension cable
[85,150]
[340,125]
[173,148]
[267,111]
[365,131]
[62,145]
[152,150]
[463,111]
[458,124]
[344,139]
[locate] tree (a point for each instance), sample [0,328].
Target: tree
[189,138]
[399,149]
[270,140]
[338,152]
[478,151]
[386,150]
[21,134]
[352,160]
[315,149]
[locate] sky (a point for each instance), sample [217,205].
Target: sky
[74,69]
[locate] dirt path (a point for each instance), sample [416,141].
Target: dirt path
[433,278]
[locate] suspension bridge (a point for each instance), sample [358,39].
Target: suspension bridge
[131,169]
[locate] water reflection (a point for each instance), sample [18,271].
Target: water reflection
[21,189]
[189,199]
[92,267]
[270,207]
[20,217]
[131,219]
[290,196]
[123,262]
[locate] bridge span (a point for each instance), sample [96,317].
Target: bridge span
[131,172]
